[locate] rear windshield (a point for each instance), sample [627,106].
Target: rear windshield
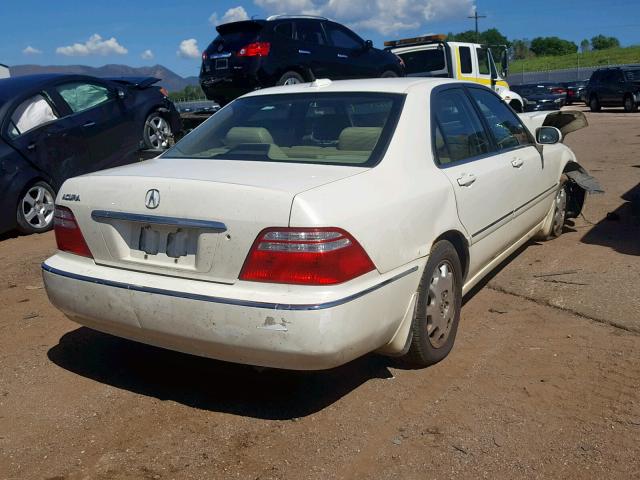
[331,128]
[424,63]
[234,36]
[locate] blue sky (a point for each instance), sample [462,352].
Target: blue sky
[146,32]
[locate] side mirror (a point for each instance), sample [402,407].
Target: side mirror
[368,44]
[548,135]
[505,63]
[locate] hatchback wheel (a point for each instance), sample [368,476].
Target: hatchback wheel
[437,314]
[630,104]
[35,209]
[290,78]
[594,104]
[157,134]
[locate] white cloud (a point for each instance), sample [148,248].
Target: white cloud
[31,51]
[147,55]
[383,16]
[189,49]
[96,45]
[235,14]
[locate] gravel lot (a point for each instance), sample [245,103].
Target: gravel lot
[544,380]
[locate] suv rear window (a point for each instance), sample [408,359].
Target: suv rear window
[332,128]
[234,36]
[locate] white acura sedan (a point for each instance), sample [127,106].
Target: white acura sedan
[303,226]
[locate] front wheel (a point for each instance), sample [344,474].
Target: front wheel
[437,314]
[35,209]
[157,134]
[389,74]
[630,104]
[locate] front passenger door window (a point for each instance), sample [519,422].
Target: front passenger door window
[461,130]
[81,96]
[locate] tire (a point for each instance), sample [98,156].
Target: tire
[389,74]
[156,132]
[34,213]
[630,104]
[560,203]
[437,314]
[290,78]
[594,104]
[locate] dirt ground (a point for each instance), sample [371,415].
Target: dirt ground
[544,380]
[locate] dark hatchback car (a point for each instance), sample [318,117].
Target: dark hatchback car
[539,97]
[614,87]
[284,50]
[53,127]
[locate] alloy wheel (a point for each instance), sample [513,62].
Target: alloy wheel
[560,211]
[37,207]
[158,132]
[291,81]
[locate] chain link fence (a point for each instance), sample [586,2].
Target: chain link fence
[566,75]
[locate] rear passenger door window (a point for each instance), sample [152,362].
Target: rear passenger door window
[459,133]
[81,96]
[31,114]
[506,128]
[310,33]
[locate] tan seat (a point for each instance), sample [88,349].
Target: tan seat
[237,135]
[359,138]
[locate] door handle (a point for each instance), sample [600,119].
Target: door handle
[89,124]
[466,179]
[517,162]
[31,147]
[304,52]
[341,55]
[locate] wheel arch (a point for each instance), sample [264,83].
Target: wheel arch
[460,243]
[516,105]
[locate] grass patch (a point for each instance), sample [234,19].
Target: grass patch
[599,58]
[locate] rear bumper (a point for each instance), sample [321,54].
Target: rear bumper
[203,319]
[227,88]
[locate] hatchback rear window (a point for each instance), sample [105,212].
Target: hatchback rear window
[332,128]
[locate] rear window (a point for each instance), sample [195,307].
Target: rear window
[234,36]
[332,128]
[424,63]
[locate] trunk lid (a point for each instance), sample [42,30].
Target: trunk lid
[206,215]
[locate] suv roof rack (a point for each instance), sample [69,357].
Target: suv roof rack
[280,17]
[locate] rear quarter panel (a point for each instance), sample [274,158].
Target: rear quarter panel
[396,209]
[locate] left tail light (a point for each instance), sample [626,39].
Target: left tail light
[68,235]
[305,256]
[256,49]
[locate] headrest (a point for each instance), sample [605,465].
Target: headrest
[238,135]
[359,138]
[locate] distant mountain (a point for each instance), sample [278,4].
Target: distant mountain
[170,80]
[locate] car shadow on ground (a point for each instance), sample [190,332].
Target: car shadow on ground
[209,384]
[9,235]
[620,229]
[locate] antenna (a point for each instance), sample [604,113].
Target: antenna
[476,17]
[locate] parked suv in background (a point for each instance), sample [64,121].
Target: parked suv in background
[285,50]
[614,87]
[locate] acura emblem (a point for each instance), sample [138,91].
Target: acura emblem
[152,199]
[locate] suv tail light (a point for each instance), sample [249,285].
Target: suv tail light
[305,256]
[68,235]
[257,49]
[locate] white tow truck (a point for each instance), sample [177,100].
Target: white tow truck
[433,56]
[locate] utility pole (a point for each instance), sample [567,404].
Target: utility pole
[476,17]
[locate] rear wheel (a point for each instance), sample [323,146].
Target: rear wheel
[437,315]
[157,134]
[389,74]
[290,78]
[630,104]
[594,104]
[35,209]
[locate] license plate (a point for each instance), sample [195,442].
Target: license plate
[222,63]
